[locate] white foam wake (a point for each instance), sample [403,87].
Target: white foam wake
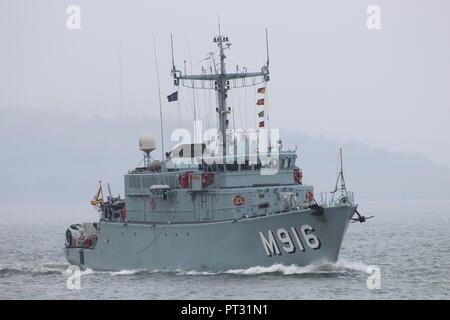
[339,267]
[351,265]
[28,268]
[126,272]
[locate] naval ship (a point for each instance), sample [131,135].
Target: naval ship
[233,202]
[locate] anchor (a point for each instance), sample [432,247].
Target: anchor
[360,217]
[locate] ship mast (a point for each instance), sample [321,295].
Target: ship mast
[221,81]
[222,92]
[340,179]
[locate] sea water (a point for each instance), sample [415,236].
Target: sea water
[402,253]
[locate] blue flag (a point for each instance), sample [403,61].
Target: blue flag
[173,96]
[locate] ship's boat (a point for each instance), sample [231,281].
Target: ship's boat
[232,202]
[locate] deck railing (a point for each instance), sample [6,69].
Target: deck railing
[328,199]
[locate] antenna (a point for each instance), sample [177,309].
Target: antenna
[193,90]
[267,49]
[159,97]
[341,173]
[120,79]
[173,61]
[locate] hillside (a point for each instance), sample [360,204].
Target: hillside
[51,157]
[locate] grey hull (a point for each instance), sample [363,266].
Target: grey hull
[280,238]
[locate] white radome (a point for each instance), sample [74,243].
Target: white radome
[147,143]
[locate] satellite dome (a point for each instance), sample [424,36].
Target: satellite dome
[147,143]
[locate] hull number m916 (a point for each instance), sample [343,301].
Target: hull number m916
[288,238]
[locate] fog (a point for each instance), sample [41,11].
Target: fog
[73,102]
[54,157]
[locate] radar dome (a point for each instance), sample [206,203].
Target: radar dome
[147,143]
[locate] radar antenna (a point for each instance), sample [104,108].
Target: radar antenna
[221,81]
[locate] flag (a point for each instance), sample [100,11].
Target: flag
[262,90]
[261,124]
[173,96]
[260,102]
[261,114]
[98,198]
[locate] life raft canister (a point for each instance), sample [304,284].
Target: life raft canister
[86,242]
[309,195]
[185,179]
[238,200]
[298,175]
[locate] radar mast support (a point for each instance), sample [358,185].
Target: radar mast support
[222,94]
[221,81]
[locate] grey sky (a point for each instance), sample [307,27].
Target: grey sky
[330,75]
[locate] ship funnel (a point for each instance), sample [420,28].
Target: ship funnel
[147,143]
